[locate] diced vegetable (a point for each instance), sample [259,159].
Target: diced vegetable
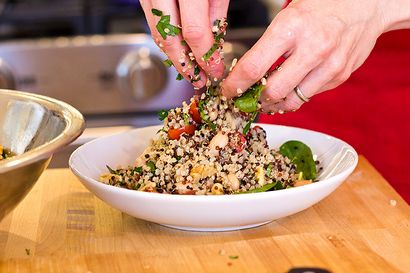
[194,112]
[176,133]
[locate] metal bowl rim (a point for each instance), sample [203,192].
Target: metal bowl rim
[75,125]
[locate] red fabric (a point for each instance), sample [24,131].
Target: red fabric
[371,110]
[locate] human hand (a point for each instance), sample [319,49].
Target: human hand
[195,18]
[324,42]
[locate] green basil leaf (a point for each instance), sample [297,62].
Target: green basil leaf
[301,155]
[211,51]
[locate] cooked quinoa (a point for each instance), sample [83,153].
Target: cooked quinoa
[206,148]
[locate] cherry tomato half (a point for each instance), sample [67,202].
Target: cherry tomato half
[194,112]
[237,141]
[176,133]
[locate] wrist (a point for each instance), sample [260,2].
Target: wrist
[395,14]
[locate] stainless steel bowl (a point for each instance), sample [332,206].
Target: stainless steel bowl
[33,127]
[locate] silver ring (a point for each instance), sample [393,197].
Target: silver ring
[300,94]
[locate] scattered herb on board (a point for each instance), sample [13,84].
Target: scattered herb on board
[233,257]
[162,114]
[301,155]
[164,27]
[27,251]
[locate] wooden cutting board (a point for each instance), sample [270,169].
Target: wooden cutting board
[363,226]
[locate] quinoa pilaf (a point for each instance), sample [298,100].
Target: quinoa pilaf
[207,146]
[204,148]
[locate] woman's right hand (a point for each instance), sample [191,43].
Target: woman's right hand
[195,19]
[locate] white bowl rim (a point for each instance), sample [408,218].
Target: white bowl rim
[75,125]
[201,198]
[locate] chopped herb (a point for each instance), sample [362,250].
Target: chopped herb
[151,165]
[156,12]
[196,70]
[269,169]
[112,171]
[178,158]
[167,63]
[205,117]
[219,37]
[165,28]
[179,77]
[211,51]
[162,114]
[137,186]
[186,118]
[233,257]
[184,43]
[248,125]
[136,170]
[27,251]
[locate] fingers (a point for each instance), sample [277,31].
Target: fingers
[327,75]
[172,46]
[218,9]
[257,61]
[197,32]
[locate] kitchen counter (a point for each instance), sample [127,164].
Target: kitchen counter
[60,226]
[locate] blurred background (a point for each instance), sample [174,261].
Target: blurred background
[98,56]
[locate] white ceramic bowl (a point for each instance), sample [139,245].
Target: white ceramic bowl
[211,213]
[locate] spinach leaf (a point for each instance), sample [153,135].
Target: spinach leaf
[156,12]
[211,51]
[264,188]
[301,155]
[248,102]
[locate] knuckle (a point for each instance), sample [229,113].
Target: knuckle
[193,33]
[251,70]
[336,65]
[292,104]
[167,43]
[343,76]
[274,93]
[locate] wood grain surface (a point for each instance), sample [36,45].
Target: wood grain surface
[363,226]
